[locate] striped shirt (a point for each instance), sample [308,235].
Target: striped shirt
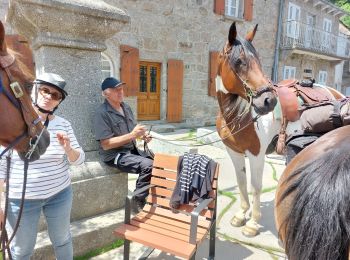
[48,175]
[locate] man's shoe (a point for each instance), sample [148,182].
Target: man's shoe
[137,205]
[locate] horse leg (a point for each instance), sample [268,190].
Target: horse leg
[251,228]
[238,161]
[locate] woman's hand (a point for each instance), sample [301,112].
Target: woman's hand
[64,141]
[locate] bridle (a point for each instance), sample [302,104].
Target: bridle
[250,93]
[17,99]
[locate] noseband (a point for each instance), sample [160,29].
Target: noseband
[17,99]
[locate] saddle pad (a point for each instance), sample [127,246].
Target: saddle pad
[289,103]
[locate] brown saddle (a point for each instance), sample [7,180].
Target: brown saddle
[288,92]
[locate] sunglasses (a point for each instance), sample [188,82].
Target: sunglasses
[54,95]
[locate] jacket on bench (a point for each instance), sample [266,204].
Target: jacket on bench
[194,179]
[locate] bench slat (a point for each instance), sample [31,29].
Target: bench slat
[185,207]
[148,209]
[166,161]
[163,182]
[161,192]
[166,223]
[156,240]
[164,173]
[177,234]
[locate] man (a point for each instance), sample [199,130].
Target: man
[116,130]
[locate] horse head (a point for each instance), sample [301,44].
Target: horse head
[240,72]
[20,124]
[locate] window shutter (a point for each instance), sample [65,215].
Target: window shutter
[219,7]
[129,69]
[175,84]
[248,10]
[213,69]
[20,44]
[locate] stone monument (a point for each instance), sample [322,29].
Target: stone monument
[67,37]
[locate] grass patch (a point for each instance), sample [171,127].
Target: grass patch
[233,200]
[190,135]
[98,251]
[269,249]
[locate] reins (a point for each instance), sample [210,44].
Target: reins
[5,63]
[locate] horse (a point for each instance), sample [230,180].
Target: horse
[247,121]
[312,206]
[21,128]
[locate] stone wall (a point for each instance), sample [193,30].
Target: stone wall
[188,30]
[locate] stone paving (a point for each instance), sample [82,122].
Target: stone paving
[230,244]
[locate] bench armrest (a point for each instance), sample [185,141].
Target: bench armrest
[128,202]
[194,219]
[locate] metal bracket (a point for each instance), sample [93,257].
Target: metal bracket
[16,89]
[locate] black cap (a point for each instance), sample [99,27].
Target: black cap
[111,83]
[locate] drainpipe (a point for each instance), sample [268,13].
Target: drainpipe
[274,75]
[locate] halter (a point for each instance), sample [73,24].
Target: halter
[17,100]
[249,92]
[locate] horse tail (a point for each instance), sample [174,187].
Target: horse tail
[318,223]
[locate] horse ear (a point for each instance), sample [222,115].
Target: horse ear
[2,38]
[250,35]
[232,34]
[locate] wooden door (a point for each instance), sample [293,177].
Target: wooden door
[175,85]
[148,98]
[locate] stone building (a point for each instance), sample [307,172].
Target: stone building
[310,40]
[165,51]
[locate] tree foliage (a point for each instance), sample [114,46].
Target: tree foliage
[345,5]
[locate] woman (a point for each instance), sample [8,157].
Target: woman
[48,186]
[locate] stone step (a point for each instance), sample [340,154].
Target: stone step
[88,234]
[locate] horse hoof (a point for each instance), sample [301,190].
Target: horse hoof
[237,222]
[250,231]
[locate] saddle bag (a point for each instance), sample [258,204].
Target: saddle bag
[326,116]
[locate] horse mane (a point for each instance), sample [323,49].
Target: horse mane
[22,66]
[318,223]
[247,47]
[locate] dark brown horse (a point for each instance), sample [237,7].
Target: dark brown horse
[17,116]
[312,209]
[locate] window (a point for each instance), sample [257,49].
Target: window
[347,91]
[289,72]
[234,8]
[326,34]
[107,66]
[293,21]
[322,77]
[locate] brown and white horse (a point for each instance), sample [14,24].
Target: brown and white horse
[17,116]
[312,209]
[246,122]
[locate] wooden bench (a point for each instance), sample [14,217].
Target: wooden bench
[157,226]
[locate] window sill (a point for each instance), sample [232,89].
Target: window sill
[232,18]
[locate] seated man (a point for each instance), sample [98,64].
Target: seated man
[116,129]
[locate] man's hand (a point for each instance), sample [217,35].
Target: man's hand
[147,138]
[138,131]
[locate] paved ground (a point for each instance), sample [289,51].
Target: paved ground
[230,244]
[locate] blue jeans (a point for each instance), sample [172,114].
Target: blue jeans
[56,210]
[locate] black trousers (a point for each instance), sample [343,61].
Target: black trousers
[135,163]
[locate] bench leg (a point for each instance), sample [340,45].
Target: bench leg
[212,242]
[126,249]
[193,257]
[146,254]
